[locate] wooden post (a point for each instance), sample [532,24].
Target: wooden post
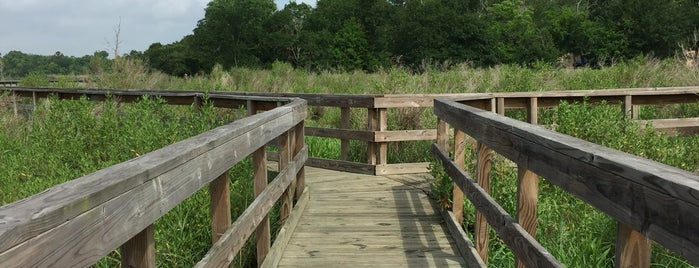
[197,104]
[459,159]
[533,111]
[443,135]
[34,100]
[262,236]
[500,107]
[298,146]
[630,110]
[284,158]
[252,107]
[483,173]
[632,248]
[527,199]
[139,251]
[344,124]
[372,125]
[14,103]
[382,146]
[220,207]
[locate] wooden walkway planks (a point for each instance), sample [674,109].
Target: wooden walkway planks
[361,220]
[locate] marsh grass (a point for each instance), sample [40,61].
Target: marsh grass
[76,137]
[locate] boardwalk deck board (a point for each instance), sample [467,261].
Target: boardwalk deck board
[361,220]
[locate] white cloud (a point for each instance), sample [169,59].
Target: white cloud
[80,27]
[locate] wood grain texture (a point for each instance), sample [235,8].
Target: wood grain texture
[348,134]
[675,126]
[84,219]
[382,147]
[533,111]
[345,117]
[483,165]
[284,157]
[299,144]
[220,205]
[262,232]
[406,168]
[632,248]
[139,251]
[443,135]
[460,160]
[286,231]
[222,253]
[525,247]
[365,220]
[339,165]
[466,248]
[405,135]
[372,125]
[657,200]
[527,200]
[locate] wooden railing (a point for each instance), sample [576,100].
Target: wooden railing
[376,133]
[378,136]
[648,199]
[77,223]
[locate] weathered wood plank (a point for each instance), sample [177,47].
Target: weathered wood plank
[407,168]
[675,126]
[341,133]
[220,206]
[222,253]
[405,135]
[525,247]
[137,191]
[483,164]
[262,232]
[460,160]
[286,231]
[345,117]
[139,251]
[632,248]
[464,245]
[339,165]
[527,200]
[657,200]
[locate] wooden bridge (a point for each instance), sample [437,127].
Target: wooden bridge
[346,213]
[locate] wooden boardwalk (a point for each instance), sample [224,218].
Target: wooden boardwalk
[361,220]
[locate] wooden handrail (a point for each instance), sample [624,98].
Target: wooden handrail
[645,197]
[78,222]
[377,106]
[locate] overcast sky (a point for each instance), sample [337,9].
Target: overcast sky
[81,27]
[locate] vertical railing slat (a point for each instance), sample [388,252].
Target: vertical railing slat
[483,174]
[372,125]
[139,251]
[459,159]
[299,143]
[284,157]
[344,124]
[262,232]
[632,248]
[527,200]
[219,193]
[382,157]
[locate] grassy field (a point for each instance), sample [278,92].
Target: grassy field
[63,140]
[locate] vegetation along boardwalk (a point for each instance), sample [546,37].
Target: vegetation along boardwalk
[360,220]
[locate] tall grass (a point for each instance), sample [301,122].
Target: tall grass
[74,138]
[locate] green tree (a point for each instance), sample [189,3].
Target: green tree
[647,26]
[230,32]
[514,35]
[350,46]
[285,27]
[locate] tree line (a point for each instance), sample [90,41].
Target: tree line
[368,35]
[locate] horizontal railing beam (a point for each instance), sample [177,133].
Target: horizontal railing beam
[655,199]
